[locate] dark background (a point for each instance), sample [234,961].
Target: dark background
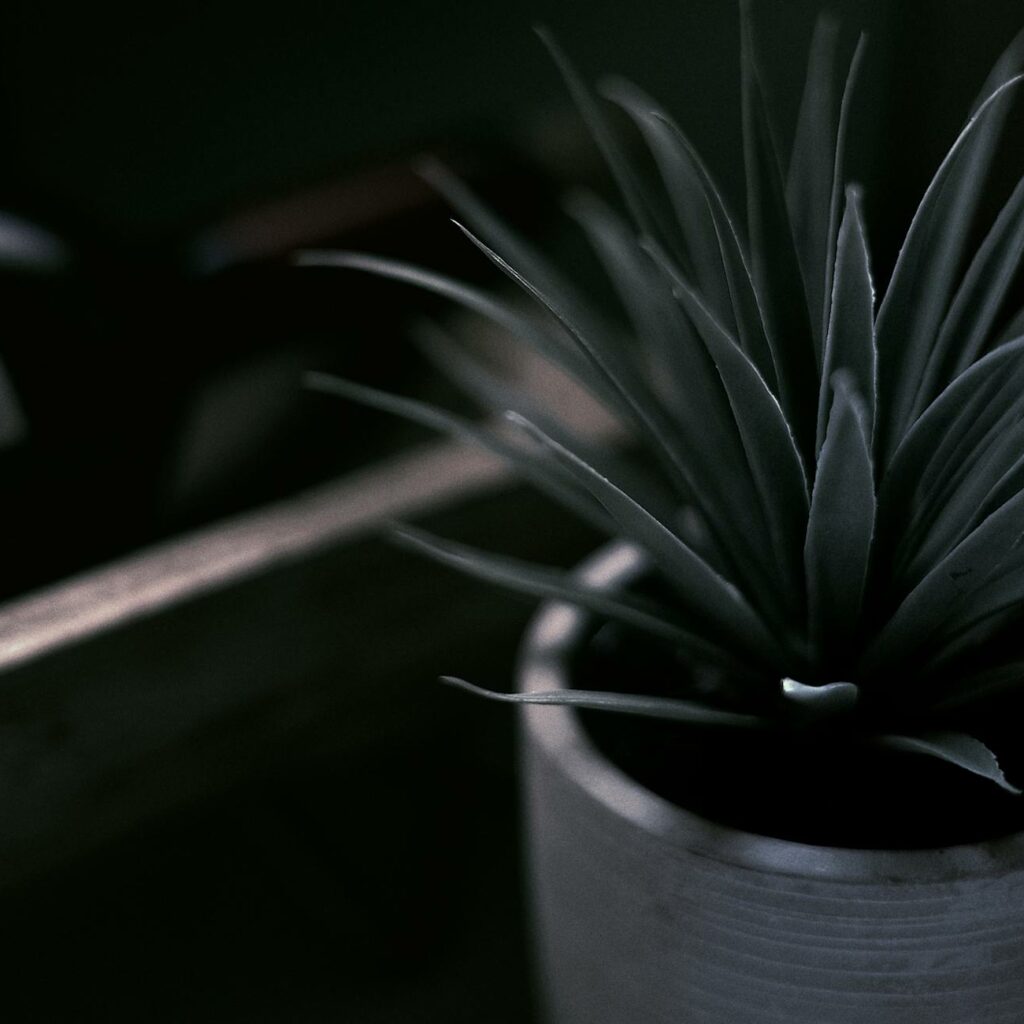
[158,371]
[160,364]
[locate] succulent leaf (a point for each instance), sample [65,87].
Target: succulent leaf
[543,342]
[957,748]
[774,262]
[850,341]
[701,411]
[811,170]
[841,525]
[502,237]
[976,454]
[558,584]
[544,474]
[708,595]
[671,708]
[687,192]
[920,290]
[837,493]
[673,150]
[968,324]
[925,453]
[953,591]
[839,180]
[619,164]
[994,478]
[850,345]
[614,373]
[768,445]
[645,296]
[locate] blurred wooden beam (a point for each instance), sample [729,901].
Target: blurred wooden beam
[177,672]
[142,585]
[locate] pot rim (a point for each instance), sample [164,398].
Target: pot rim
[556,630]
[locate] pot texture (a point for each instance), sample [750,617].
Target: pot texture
[647,913]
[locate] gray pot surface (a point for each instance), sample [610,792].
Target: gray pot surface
[647,913]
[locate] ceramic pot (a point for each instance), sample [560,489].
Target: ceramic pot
[645,912]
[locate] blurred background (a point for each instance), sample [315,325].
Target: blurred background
[230,789]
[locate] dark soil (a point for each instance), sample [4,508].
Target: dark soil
[828,789]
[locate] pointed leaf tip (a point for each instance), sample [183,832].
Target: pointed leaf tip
[543,32]
[841,524]
[957,748]
[850,336]
[687,712]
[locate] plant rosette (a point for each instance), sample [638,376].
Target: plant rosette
[806,807]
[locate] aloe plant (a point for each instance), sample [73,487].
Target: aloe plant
[837,515]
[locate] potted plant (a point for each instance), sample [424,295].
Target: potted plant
[807,807]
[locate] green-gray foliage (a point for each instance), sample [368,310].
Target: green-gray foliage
[845,477]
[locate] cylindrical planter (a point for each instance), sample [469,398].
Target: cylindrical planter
[645,912]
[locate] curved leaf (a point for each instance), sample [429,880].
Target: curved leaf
[975,620]
[496,395]
[702,411]
[625,703]
[562,585]
[768,444]
[699,216]
[1013,330]
[773,256]
[949,417]
[968,325]
[972,449]
[625,176]
[615,375]
[992,477]
[938,601]
[491,391]
[919,291]
[743,307]
[1002,490]
[959,649]
[647,300]
[958,749]
[546,476]
[707,595]
[502,237]
[476,301]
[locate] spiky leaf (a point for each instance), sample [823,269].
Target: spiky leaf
[958,749]
[850,342]
[774,260]
[811,168]
[691,712]
[920,290]
[557,584]
[681,166]
[708,595]
[841,525]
